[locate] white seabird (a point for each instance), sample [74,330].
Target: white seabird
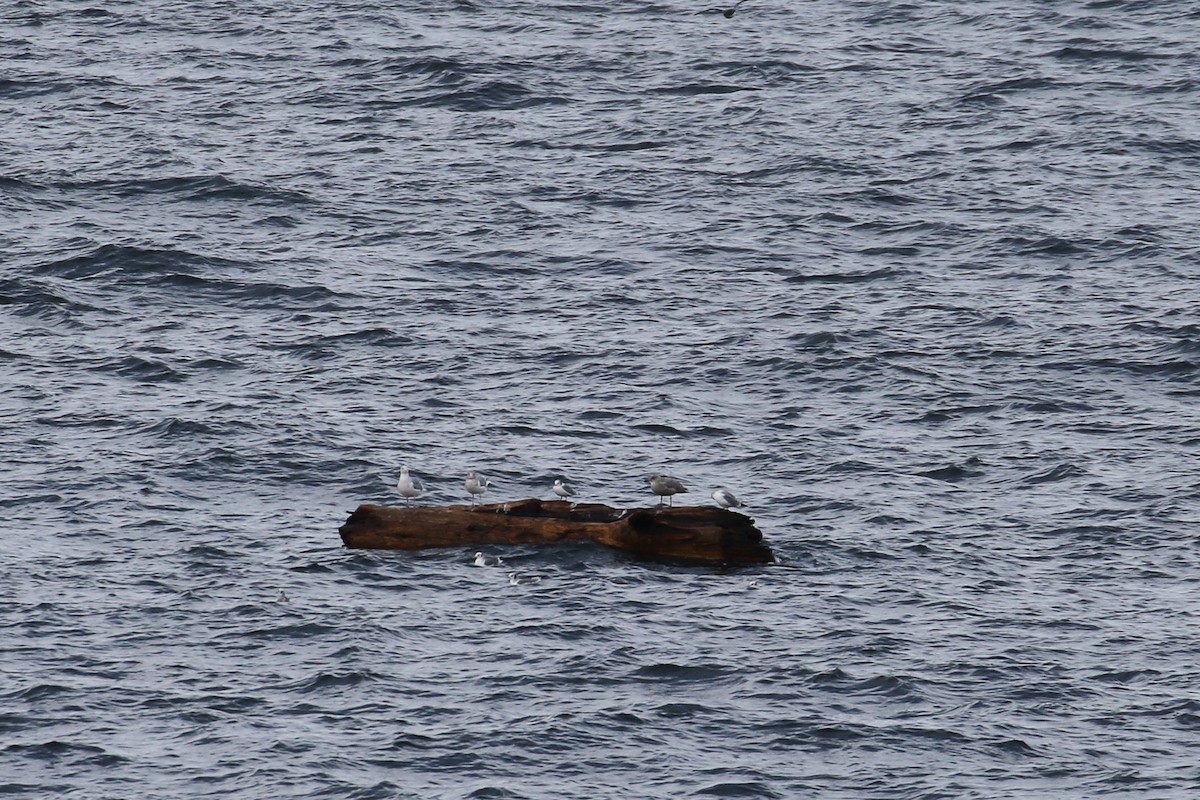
[487,561]
[476,485]
[563,490]
[408,486]
[726,499]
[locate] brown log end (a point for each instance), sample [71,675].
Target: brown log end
[692,533]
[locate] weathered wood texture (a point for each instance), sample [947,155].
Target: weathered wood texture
[694,533]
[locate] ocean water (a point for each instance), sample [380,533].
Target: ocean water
[917,280]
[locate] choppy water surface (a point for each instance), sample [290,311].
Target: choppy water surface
[915,279]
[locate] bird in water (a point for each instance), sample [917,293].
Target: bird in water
[726,499]
[408,486]
[725,12]
[516,579]
[666,486]
[476,485]
[563,490]
[487,561]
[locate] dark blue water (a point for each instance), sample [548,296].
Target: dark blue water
[916,280]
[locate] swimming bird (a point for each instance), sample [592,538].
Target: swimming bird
[408,486]
[726,12]
[726,499]
[515,579]
[476,485]
[563,490]
[666,486]
[487,561]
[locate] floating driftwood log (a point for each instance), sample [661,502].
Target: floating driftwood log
[694,533]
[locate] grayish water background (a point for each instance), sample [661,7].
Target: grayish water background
[915,279]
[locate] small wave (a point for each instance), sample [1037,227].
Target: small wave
[819,340]
[889,519]
[492,793]
[414,741]
[1041,406]
[808,163]
[739,789]
[171,269]
[1017,747]
[1058,473]
[55,750]
[217,364]
[130,261]
[837,733]
[373,337]
[208,551]
[25,88]
[950,413]
[174,426]
[682,710]
[15,185]
[954,473]
[1010,85]
[681,673]
[995,92]
[461,268]
[653,427]
[931,733]
[1126,676]
[912,44]
[844,277]
[1089,50]
[332,680]
[692,89]
[32,299]
[34,499]
[600,415]
[194,188]
[778,68]
[304,630]
[623,147]
[440,70]
[315,567]
[1104,535]
[145,370]
[890,250]
[895,686]
[11,722]
[42,691]
[1047,246]
[1186,713]
[491,96]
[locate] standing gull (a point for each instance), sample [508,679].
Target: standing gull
[408,486]
[666,486]
[563,490]
[726,499]
[476,485]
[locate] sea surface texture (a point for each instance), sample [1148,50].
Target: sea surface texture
[919,281]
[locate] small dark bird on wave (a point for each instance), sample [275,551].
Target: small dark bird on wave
[725,12]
